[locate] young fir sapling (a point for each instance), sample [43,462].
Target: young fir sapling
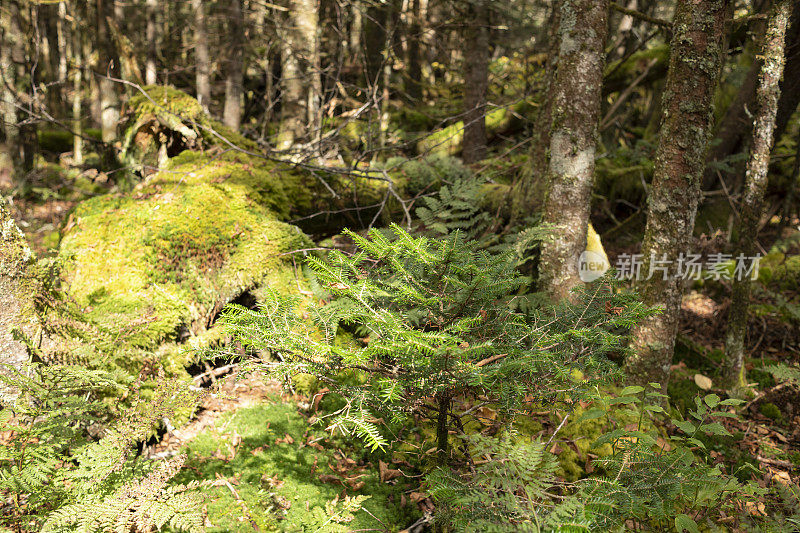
[442,332]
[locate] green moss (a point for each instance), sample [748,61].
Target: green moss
[682,393]
[279,482]
[770,410]
[163,121]
[169,254]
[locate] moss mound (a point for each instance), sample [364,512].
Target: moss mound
[162,122]
[165,258]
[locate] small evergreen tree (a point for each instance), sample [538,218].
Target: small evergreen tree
[441,325]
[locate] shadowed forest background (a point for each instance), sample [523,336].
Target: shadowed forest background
[399,265]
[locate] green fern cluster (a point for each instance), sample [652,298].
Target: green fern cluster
[441,325]
[57,473]
[456,207]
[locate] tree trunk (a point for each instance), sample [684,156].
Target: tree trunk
[77,82]
[150,71]
[413,85]
[755,184]
[108,67]
[8,71]
[442,440]
[301,84]
[202,82]
[232,113]
[532,186]
[377,17]
[476,81]
[575,116]
[790,85]
[694,68]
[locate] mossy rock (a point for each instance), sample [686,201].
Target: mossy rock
[770,410]
[166,257]
[162,122]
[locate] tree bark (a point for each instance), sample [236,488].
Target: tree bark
[108,66]
[767,97]
[77,85]
[203,85]
[790,85]
[413,85]
[232,112]
[476,81]
[575,115]
[301,84]
[8,78]
[150,70]
[735,127]
[696,57]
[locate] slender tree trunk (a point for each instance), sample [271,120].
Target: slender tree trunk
[150,70]
[301,84]
[476,81]
[377,16]
[232,113]
[532,187]
[48,19]
[203,85]
[575,116]
[442,440]
[767,96]
[413,84]
[356,27]
[108,67]
[8,75]
[696,57]
[77,82]
[790,85]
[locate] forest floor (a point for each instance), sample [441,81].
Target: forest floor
[245,428]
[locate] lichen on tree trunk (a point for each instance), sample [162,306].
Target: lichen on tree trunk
[575,114]
[767,96]
[694,69]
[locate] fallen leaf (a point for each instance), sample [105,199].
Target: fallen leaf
[703,382]
[386,473]
[287,439]
[782,477]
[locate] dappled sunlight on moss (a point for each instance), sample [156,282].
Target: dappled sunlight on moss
[278,478]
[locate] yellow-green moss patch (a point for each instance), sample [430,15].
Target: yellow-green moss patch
[168,255]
